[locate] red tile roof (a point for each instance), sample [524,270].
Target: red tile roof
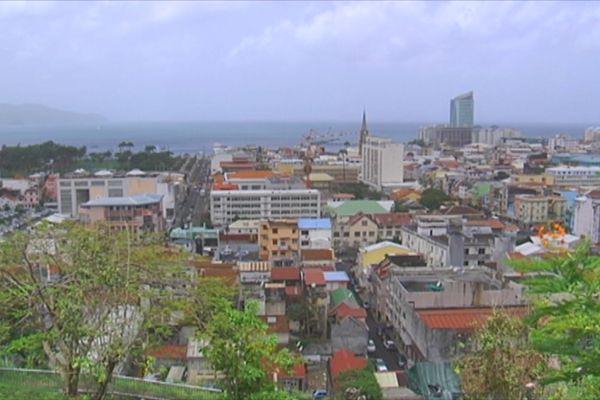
[250,175]
[357,217]
[463,318]
[385,219]
[344,360]
[170,351]
[314,276]
[343,310]
[285,274]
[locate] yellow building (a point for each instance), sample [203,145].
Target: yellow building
[278,241]
[374,254]
[530,209]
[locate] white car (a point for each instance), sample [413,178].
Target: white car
[380,365]
[371,346]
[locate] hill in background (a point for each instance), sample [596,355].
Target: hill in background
[22,114]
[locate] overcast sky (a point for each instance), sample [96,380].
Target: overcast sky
[525,61]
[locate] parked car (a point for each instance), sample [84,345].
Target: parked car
[380,365]
[402,361]
[319,394]
[389,344]
[371,346]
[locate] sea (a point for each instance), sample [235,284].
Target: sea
[200,137]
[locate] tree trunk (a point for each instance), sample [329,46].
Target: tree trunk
[101,391]
[73,382]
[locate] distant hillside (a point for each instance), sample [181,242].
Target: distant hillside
[22,114]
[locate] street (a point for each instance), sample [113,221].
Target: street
[195,204]
[390,357]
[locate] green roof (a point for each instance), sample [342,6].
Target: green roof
[482,189]
[192,232]
[340,295]
[426,374]
[353,207]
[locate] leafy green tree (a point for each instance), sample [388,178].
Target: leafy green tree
[432,198]
[90,298]
[241,349]
[565,292]
[400,207]
[361,379]
[208,297]
[500,363]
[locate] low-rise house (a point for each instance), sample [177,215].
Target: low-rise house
[336,279]
[315,233]
[358,230]
[138,214]
[389,224]
[278,241]
[374,254]
[279,326]
[317,258]
[350,333]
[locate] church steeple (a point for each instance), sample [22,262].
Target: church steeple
[364,132]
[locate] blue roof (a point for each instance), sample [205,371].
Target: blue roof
[336,276]
[314,223]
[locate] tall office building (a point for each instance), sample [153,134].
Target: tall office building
[462,110]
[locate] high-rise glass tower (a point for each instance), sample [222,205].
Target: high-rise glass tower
[462,110]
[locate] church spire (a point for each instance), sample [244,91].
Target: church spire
[364,132]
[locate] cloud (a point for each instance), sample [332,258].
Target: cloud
[396,32]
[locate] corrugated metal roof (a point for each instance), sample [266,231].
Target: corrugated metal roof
[336,276]
[314,223]
[462,318]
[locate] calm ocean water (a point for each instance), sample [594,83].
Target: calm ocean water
[193,137]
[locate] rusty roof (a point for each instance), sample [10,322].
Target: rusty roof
[171,351]
[463,318]
[314,276]
[285,274]
[317,254]
[344,360]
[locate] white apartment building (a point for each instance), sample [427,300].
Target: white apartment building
[382,163]
[315,233]
[586,216]
[493,135]
[227,205]
[575,176]
[81,187]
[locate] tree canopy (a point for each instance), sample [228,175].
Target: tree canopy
[240,348]
[82,300]
[432,198]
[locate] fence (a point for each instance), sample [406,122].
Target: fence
[121,387]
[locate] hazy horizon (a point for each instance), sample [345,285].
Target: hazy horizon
[527,62]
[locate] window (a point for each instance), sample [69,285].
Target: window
[304,233]
[481,250]
[466,263]
[275,241]
[275,231]
[336,234]
[480,262]
[346,234]
[364,222]
[466,252]
[371,233]
[356,234]
[305,243]
[274,252]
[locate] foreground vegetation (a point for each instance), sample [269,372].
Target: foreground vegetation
[555,352]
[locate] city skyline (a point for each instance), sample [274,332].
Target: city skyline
[527,62]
